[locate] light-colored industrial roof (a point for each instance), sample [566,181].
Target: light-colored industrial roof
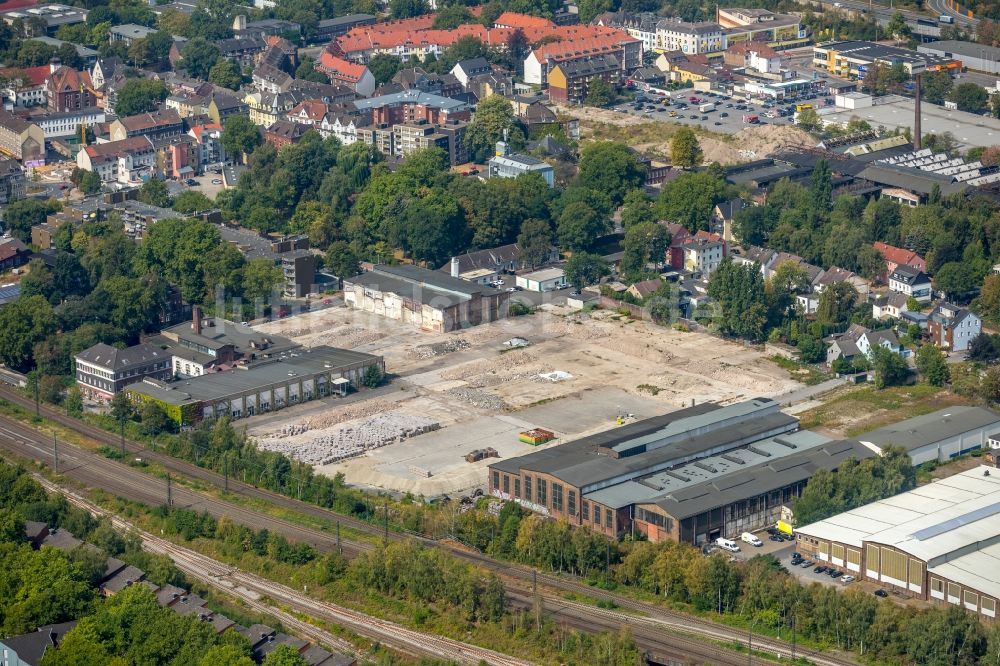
[932,522]
[930,428]
[544,274]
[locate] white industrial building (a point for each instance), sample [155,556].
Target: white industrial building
[939,436]
[548,279]
[939,542]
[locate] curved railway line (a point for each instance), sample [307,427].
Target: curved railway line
[131,483]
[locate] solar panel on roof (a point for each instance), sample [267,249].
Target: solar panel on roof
[958,521]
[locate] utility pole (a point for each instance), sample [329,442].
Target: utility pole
[55,452]
[37,389]
[750,646]
[225,474]
[339,548]
[793,634]
[386,521]
[122,423]
[170,501]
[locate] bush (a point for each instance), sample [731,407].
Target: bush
[518,309]
[373,376]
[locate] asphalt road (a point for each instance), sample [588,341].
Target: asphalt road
[115,477]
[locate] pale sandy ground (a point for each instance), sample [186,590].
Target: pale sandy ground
[482,394]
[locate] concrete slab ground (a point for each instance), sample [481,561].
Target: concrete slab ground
[895,112]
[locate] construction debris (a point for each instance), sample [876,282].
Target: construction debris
[440,348]
[555,376]
[480,399]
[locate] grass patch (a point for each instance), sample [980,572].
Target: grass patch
[854,410]
[648,388]
[810,375]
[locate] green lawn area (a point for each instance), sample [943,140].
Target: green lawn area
[857,409]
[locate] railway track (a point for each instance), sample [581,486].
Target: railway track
[131,483]
[252,589]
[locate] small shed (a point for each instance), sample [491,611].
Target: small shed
[536,436]
[548,279]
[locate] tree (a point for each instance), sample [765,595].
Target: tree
[584,269]
[227,74]
[611,168]
[636,209]
[600,92]
[307,71]
[198,56]
[690,198]
[591,8]
[931,363]
[191,201]
[535,241]
[579,227]
[809,120]
[955,279]
[897,26]
[120,407]
[969,97]
[738,292]
[23,323]
[836,302]
[936,86]
[240,136]
[889,367]
[154,192]
[23,214]
[153,419]
[260,278]
[384,66]
[451,17]
[643,244]
[341,260]
[401,9]
[494,121]
[812,349]
[226,655]
[373,376]
[140,96]
[685,151]
[74,401]
[822,186]
[90,183]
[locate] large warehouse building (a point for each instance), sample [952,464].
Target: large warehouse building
[427,299]
[939,542]
[692,475]
[938,436]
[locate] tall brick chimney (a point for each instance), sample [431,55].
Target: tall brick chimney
[196,319]
[916,112]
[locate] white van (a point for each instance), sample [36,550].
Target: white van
[727,544]
[746,537]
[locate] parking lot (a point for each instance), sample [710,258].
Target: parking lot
[725,117]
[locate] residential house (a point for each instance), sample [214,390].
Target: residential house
[268,78]
[891,305]
[724,213]
[756,56]
[911,281]
[836,274]
[355,76]
[68,89]
[21,139]
[703,256]
[679,236]
[309,113]
[413,106]
[505,165]
[128,161]
[104,69]
[23,87]
[28,649]
[648,76]
[12,181]
[536,114]
[60,124]
[491,262]
[952,327]
[860,340]
[208,138]
[897,256]
[415,78]
[283,133]
[689,37]
[641,25]
[102,370]
[645,288]
[244,52]
[221,105]
[569,80]
[466,70]
[449,136]
[542,59]
[13,253]
[187,104]
[157,125]
[343,126]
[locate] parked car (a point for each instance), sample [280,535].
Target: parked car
[881,593]
[819,569]
[847,580]
[749,538]
[727,544]
[806,564]
[836,574]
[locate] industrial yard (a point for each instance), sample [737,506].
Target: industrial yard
[454,394]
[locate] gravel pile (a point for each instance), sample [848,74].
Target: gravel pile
[350,440]
[480,399]
[439,348]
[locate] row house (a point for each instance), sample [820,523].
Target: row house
[953,327]
[569,81]
[415,78]
[208,139]
[283,133]
[23,87]
[245,52]
[12,181]
[541,60]
[413,106]
[353,75]
[309,113]
[641,25]
[176,156]
[157,125]
[129,161]
[21,139]
[343,126]
[860,341]
[689,37]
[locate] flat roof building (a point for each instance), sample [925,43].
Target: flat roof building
[428,299]
[295,376]
[851,59]
[939,542]
[980,57]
